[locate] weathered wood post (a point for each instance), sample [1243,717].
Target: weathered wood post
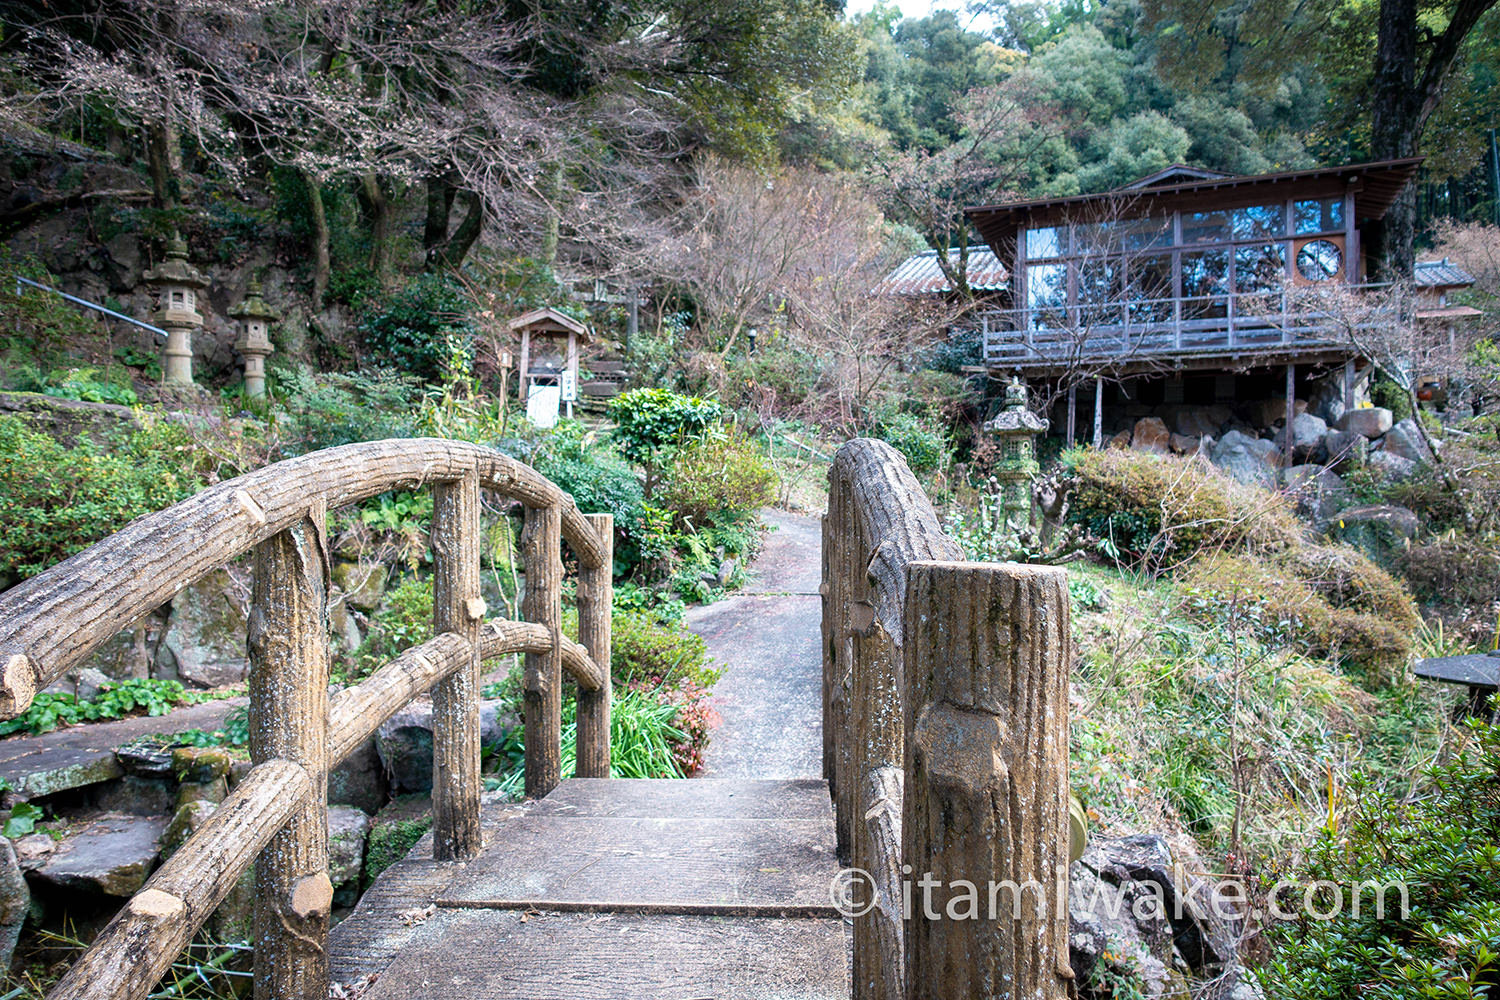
[541,546]
[985,823]
[288,646]
[596,588]
[456,607]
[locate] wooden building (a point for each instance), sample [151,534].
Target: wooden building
[1185,271]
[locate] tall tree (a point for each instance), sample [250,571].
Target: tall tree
[1413,47]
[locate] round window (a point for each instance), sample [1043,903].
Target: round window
[1319,260]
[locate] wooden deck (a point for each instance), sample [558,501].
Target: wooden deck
[615,888]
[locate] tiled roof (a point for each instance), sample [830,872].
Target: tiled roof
[920,274]
[1440,274]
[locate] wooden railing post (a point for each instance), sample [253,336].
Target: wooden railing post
[288,647]
[541,545]
[456,607]
[985,819]
[596,590]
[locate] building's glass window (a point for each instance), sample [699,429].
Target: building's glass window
[1205,227]
[1151,291]
[1319,260]
[1101,291]
[1322,215]
[1258,222]
[1205,284]
[1049,242]
[1047,294]
[1259,268]
[1145,234]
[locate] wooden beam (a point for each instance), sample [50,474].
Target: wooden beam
[595,605]
[1291,414]
[288,648]
[986,659]
[541,545]
[456,608]
[1099,411]
[1072,413]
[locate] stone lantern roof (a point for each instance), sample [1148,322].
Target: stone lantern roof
[253,306]
[1014,417]
[176,270]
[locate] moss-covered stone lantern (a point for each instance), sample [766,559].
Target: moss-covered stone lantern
[177,284]
[1016,427]
[254,343]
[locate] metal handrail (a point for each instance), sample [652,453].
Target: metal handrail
[20,281]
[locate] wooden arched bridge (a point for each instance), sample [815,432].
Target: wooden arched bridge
[945,753]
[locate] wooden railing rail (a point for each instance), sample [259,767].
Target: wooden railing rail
[945,742]
[277,817]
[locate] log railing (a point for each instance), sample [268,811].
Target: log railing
[277,816]
[945,743]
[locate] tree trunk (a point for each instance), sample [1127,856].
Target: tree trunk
[321,266]
[159,163]
[439,207]
[378,209]
[450,253]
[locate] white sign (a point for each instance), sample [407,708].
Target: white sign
[569,387]
[541,405]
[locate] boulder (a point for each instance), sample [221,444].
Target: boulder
[15,901]
[343,622]
[1184,445]
[348,829]
[1392,466]
[1346,449]
[1196,421]
[1269,412]
[1327,400]
[1120,440]
[1247,459]
[363,583]
[359,780]
[404,742]
[1150,434]
[204,643]
[1318,492]
[1404,440]
[111,854]
[1370,421]
[33,850]
[1380,531]
[1308,432]
[129,652]
[188,819]
[727,570]
[85,683]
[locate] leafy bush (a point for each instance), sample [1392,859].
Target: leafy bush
[716,479]
[56,501]
[326,410]
[417,328]
[647,650]
[86,384]
[114,701]
[651,421]
[403,621]
[923,442]
[1444,847]
[37,325]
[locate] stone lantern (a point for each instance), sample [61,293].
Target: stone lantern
[254,343]
[177,283]
[1017,428]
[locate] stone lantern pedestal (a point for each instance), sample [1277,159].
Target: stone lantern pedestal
[254,343]
[1016,427]
[177,283]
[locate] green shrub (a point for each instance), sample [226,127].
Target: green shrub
[1384,392]
[650,422]
[1443,846]
[716,479]
[86,384]
[419,327]
[923,442]
[404,620]
[56,501]
[38,325]
[647,650]
[601,481]
[319,410]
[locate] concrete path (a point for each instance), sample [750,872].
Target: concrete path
[767,638]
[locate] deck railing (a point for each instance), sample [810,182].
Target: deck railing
[276,818]
[1277,321]
[945,734]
